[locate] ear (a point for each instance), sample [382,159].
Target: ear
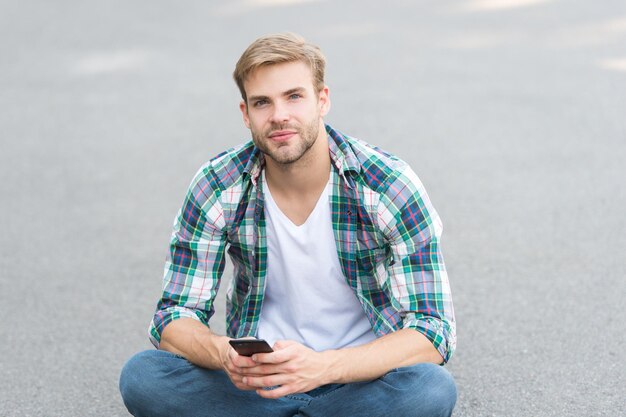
[244,113]
[324,101]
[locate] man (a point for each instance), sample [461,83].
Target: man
[335,247]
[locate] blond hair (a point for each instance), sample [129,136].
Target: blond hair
[276,49]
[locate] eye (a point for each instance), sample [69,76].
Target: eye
[259,103]
[294,96]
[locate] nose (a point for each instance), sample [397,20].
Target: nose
[280,113]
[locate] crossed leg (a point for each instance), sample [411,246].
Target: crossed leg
[158,383]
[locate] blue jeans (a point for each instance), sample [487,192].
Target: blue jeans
[159,383]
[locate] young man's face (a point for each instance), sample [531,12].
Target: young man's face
[283,111]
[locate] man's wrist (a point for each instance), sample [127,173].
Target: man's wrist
[334,367]
[209,349]
[218,349]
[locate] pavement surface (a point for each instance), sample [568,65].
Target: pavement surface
[512,112]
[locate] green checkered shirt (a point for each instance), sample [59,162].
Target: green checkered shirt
[386,231]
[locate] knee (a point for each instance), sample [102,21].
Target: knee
[141,383]
[428,390]
[439,393]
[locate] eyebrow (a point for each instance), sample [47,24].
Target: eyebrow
[285,93]
[294,90]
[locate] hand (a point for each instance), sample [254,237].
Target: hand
[292,367]
[234,365]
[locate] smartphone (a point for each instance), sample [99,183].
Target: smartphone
[248,347]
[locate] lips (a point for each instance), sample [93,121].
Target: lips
[282,135]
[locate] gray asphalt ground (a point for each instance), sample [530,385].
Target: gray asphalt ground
[512,112]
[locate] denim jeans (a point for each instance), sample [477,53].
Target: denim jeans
[159,383]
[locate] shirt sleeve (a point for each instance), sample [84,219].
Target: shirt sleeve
[195,262]
[418,278]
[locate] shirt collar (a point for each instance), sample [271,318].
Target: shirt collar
[341,153]
[254,166]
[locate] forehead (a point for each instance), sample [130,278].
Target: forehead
[269,80]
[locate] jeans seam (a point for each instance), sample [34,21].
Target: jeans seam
[296,397]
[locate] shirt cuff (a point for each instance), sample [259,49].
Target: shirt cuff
[164,317]
[441,333]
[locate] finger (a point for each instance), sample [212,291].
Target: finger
[258,370]
[276,392]
[275,357]
[266,381]
[243,361]
[236,374]
[281,344]
[237,381]
[239,360]
[244,387]
[262,370]
[284,350]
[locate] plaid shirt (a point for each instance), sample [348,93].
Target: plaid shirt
[387,235]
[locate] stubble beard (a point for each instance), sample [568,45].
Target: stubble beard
[288,153]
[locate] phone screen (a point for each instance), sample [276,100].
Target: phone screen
[248,347]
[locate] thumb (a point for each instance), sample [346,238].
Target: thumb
[282,344]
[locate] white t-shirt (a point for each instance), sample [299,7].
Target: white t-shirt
[307,298]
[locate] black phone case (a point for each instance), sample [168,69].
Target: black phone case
[248,347]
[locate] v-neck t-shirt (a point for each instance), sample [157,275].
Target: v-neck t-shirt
[307,298]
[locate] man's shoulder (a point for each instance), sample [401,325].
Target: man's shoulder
[226,169]
[222,173]
[367,153]
[374,166]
